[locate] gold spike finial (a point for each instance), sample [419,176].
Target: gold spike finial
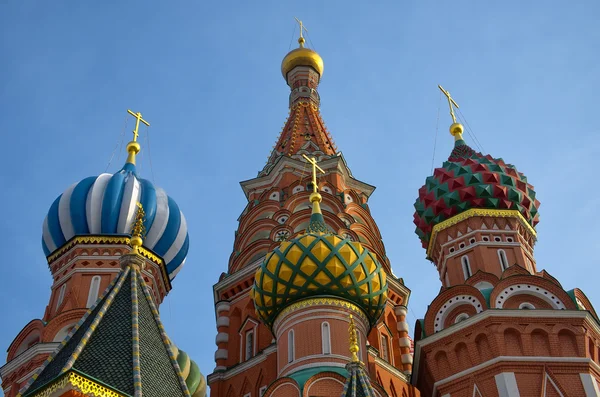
[303,29]
[456,129]
[315,197]
[353,341]
[138,231]
[133,147]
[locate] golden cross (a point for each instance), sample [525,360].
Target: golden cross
[450,103]
[139,118]
[313,161]
[302,30]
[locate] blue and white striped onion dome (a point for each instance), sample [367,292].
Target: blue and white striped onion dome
[106,205]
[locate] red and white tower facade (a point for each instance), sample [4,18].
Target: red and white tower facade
[86,231]
[499,326]
[292,340]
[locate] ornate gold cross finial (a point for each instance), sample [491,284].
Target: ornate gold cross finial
[138,117]
[353,341]
[302,30]
[138,230]
[456,129]
[450,103]
[315,167]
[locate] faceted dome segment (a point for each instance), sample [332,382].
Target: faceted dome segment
[106,205]
[319,264]
[471,180]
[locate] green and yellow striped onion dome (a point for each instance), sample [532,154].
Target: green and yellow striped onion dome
[191,373]
[319,263]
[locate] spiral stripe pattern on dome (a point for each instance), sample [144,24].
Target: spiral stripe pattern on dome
[471,180]
[106,204]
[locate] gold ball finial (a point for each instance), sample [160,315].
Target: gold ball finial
[315,196]
[456,130]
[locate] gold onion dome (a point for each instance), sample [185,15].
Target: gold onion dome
[301,56]
[319,263]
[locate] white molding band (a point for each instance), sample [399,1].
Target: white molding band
[222,321]
[222,306]
[28,355]
[506,382]
[221,354]
[590,385]
[222,337]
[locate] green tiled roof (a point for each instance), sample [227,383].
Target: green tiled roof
[119,344]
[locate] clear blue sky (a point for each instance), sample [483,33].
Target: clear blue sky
[206,75]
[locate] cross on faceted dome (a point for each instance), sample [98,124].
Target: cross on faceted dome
[138,117]
[313,161]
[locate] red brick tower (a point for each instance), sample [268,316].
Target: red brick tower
[84,235]
[498,327]
[296,344]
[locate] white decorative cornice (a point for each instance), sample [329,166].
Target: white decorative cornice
[28,355]
[259,358]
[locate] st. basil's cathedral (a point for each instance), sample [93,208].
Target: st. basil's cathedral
[308,304]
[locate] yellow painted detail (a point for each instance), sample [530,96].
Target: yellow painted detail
[299,281]
[358,246]
[364,289]
[370,264]
[79,383]
[383,277]
[308,266]
[257,274]
[283,246]
[285,272]
[322,278]
[312,287]
[272,264]
[348,254]
[359,273]
[375,284]
[346,281]
[335,266]
[294,254]
[333,239]
[267,283]
[280,288]
[307,240]
[484,212]
[320,250]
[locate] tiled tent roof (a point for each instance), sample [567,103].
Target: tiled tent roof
[357,383]
[119,346]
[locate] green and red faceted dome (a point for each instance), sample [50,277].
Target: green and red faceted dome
[471,180]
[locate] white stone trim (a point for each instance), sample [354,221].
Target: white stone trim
[28,355]
[404,342]
[312,356]
[320,379]
[506,382]
[527,289]
[545,387]
[450,304]
[222,321]
[222,306]
[222,337]
[284,384]
[400,310]
[590,385]
[407,358]
[313,365]
[236,277]
[527,314]
[221,354]
[389,367]
[402,326]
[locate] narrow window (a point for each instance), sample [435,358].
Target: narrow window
[384,347]
[249,345]
[61,295]
[326,338]
[466,266]
[94,289]
[291,349]
[503,260]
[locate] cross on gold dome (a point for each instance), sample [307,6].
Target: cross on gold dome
[138,117]
[302,30]
[315,167]
[450,103]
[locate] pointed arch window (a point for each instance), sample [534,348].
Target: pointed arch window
[249,344]
[384,348]
[61,295]
[503,260]
[291,348]
[466,266]
[326,338]
[94,290]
